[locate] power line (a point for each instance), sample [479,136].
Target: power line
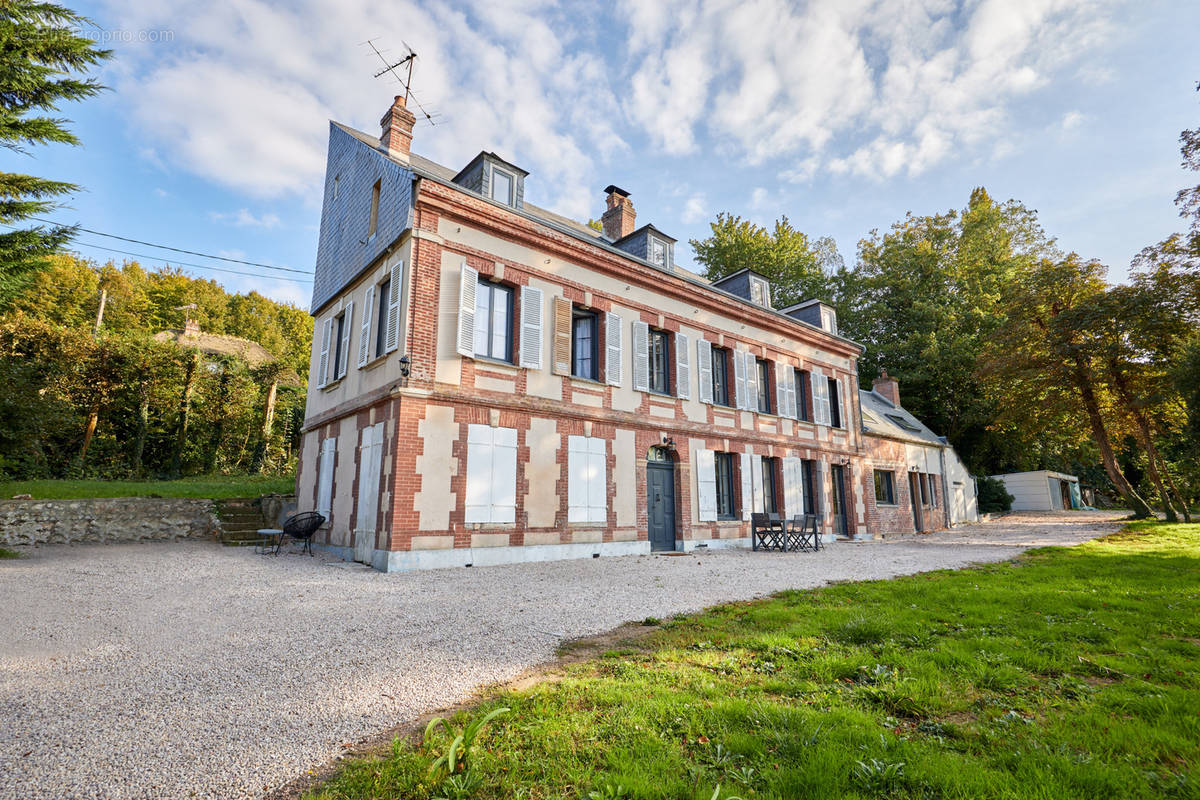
[173,249]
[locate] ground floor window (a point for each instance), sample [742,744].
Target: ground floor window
[885,487]
[491,492]
[769,470]
[808,470]
[725,500]
[587,479]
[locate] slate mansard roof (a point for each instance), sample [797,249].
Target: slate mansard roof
[881,418]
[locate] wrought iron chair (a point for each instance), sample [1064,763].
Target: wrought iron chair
[301,528]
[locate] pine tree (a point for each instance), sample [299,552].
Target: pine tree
[41,61]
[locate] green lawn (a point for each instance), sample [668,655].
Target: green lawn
[212,486]
[1070,673]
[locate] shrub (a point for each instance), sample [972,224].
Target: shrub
[993,496]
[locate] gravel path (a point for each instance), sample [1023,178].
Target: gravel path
[190,670]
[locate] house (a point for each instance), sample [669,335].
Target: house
[1042,490]
[492,382]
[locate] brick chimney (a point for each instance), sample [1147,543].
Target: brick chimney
[619,218]
[887,386]
[397,125]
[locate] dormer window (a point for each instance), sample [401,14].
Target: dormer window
[657,252]
[760,292]
[502,186]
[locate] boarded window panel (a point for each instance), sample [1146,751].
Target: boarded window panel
[739,379]
[561,364]
[747,490]
[613,349]
[597,499]
[364,334]
[468,284]
[641,356]
[531,327]
[478,494]
[392,339]
[325,476]
[706,485]
[704,371]
[347,326]
[577,489]
[504,475]
[323,365]
[683,367]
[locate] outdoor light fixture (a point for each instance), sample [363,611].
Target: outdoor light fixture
[405,363]
[668,441]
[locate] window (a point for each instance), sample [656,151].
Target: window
[922,479]
[725,500]
[807,474]
[720,376]
[339,334]
[381,322]
[502,186]
[835,404]
[657,252]
[585,345]
[803,401]
[760,293]
[493,321]
[587,484]
[885,488]
[491,492]
[764,385]
[660,362]
[903,423]
[373,223]
[337,179]
[770,501]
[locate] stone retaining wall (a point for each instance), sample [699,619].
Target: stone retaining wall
[126,519]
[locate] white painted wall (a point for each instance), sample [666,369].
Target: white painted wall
[962,498]
[1031,490]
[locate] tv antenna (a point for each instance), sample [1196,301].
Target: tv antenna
[390,68]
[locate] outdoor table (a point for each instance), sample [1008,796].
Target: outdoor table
[272,539]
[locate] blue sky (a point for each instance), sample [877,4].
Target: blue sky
[841,114]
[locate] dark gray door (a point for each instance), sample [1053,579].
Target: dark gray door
[914,493]
[840,523]
[660,497]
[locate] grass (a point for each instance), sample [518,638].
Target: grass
[216,487]
[1070,673]
[5,553]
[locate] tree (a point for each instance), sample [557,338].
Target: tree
[797,267]
[1188,199]
[40,55]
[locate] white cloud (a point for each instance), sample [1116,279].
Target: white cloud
[694,209]
[1072,120]
[244,218]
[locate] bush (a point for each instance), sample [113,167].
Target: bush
[993,496]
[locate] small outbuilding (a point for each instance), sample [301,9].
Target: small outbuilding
[1042,490]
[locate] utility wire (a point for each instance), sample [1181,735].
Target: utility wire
[174,249]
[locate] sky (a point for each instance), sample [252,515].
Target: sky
[842,115]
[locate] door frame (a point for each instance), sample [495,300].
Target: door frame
[837,488]
[667,466]
[914,496]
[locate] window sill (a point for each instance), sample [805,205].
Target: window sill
[333,384]
[886,505]
[581,524]
[654,393]
[497,363]
[376,361]
[587,383]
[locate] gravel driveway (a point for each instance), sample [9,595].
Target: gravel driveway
[190,670]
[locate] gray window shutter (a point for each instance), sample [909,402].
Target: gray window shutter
[841,398]
[751,381]
[785,386]
[468,282]
[613,349]
[641,356]
[392,335]
[704,370]
[820,396]
[683,367]
[364,333]
[739,379]
[744,470]
[756,479]
[347,326]
[531,327]
[706,485]
[323,365]
[793,487]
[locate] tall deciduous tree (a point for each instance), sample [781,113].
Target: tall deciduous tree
[42,62]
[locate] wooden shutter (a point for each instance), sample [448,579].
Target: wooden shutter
[577,490]
[706,485]
[478,495]
[704,370]
[819,470]
[820,397]
[531,327]
[369,455]
[793,487]
[347,326]
[504,475]
[756,478]
[364,333]
[744,471]
[613,350]
[751,371]
[561,364]
[781,396]
[641,356]
[597,480]
[323,365]
[739,379]
[325,476]
[468,283]
[683,367]
[842,403]
[391,338]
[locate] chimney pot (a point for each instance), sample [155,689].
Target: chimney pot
[888,387]
[397,125]
[619,218]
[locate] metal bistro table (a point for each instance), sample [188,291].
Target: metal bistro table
[272,540]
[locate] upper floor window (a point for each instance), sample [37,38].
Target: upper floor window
[373,222]
[764,385]
[338,354]
[760,292]
[337,179]
[835,404]
[660,362]
[493,321]
[381,316]
[726,506]
[502,186]
[720,376]
[803,399]
[657,252]
[885,487]
[585,345]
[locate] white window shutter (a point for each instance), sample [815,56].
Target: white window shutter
[842,403]
[744,470]
[704,370]
[323,365]
[347,326]
[739,379]
[364,333]
[641,356]
[820,397]
[478,495]
[793,491]
[756,478]
[781,407]
[531,327]
[576,479]
[706,485]
[597,499]
[683,367]
[819,470]
[325,476]
[613,349]
[391,338]
[504,475]
[751,381]
[468,283]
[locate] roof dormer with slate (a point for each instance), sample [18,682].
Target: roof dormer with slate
[494,178]
[748,285]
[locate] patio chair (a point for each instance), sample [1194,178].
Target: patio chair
[301,528]
[765,533]
[804,533]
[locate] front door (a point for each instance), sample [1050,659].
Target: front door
[914,493]
[370,457]
[660,498]
[840,523]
